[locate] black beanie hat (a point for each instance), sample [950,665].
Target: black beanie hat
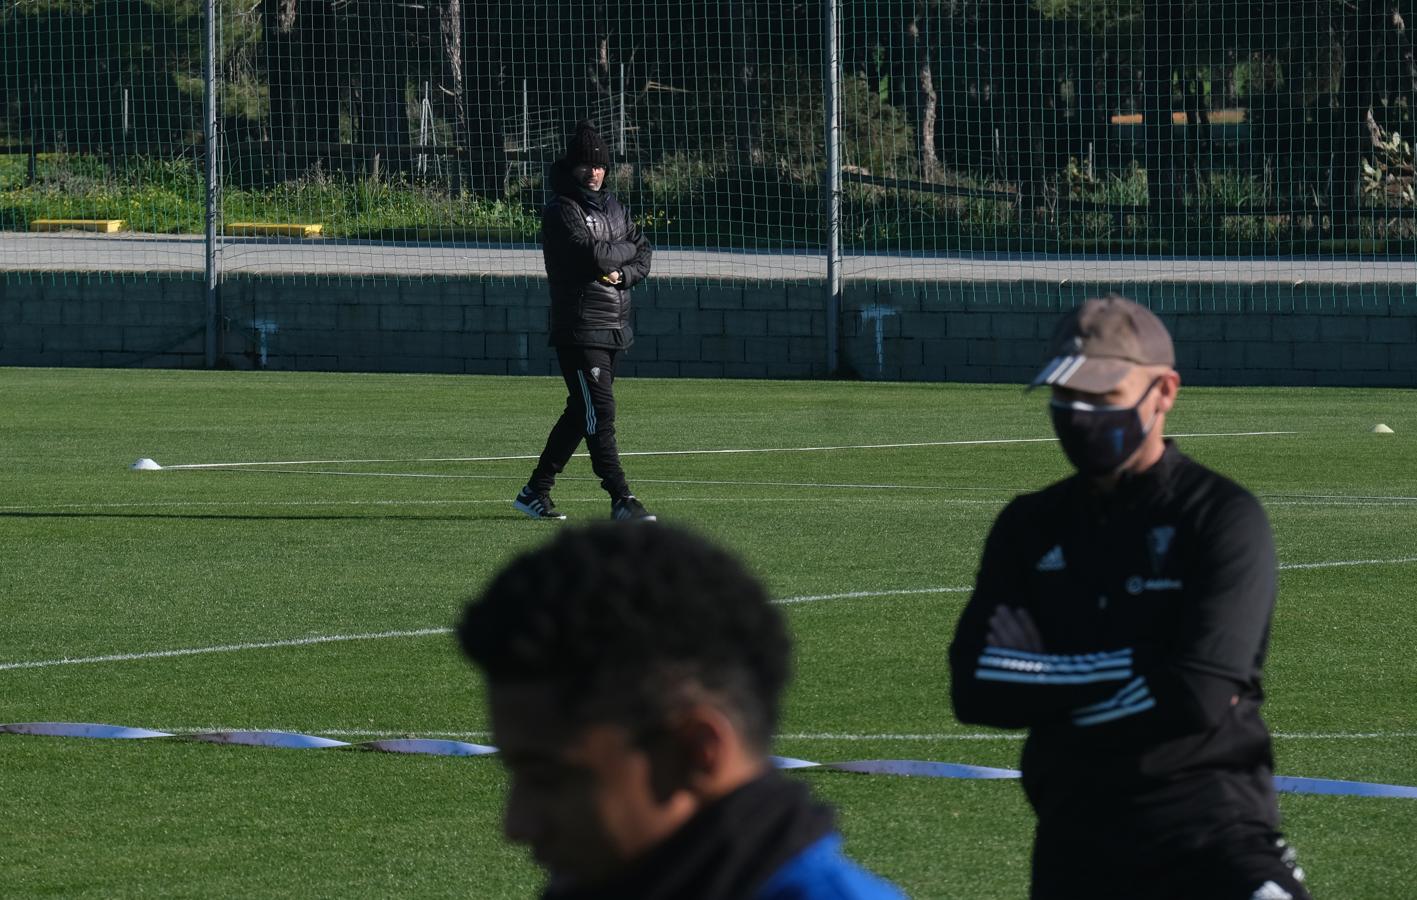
[586,146]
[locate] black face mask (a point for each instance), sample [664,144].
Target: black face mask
[1099,439]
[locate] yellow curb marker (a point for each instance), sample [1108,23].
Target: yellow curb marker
[278,229]
[105,226]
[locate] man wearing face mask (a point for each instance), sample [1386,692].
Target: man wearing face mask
[1121,616]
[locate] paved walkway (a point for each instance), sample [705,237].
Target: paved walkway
[78,252]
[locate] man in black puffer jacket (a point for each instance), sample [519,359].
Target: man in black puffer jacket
[594,254]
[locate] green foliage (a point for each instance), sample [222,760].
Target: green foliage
[1101,17]
[1258,75]
[1232,190]
[1127,188]
[166,196]
[150,195]
[876,136]
[793,135]
[886,220]
[67,67]
[678,178]
[365,208]
[685,200]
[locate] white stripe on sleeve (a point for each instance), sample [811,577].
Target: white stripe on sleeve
[1022,667]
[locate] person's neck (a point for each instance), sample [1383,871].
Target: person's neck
[732,777]
[692,799]
[1147,456]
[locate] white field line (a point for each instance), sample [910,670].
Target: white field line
[382,635]
[1337,563]
[1009,492]
[853,595]
[705,452]
[1340,497]
[222,648]
[331,732]
[790,736]
[424,632]
[1396,504]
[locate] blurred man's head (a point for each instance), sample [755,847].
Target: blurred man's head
[1113,378]
[634,674]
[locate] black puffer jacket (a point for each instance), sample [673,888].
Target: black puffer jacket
[584,235]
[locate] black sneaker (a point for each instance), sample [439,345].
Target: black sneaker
[627,508]
[538,506]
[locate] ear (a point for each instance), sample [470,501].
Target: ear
[1167,389]
[695,750]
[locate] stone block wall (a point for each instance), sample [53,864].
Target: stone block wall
[894,330]
[1258,334]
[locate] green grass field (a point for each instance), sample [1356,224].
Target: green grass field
[96,560]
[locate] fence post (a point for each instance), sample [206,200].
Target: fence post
[213,187]
[831,181]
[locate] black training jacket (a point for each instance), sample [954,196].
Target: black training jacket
[1154,603]
[585,235]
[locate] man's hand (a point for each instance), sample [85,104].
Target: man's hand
[612,277]
[1015,629]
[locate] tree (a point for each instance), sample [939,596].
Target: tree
[1163,154]
[302,65]
[925,105]
[745,22]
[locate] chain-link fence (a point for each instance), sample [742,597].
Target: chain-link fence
[1007,139]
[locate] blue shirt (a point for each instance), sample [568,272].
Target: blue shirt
[823,872]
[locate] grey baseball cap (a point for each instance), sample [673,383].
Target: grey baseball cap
[1096,345]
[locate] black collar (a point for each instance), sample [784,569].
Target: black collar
[728,850]
[1136,489]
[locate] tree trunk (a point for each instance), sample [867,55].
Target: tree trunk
[1361,53]
[278,26]
[383,115]
[748,102]
[453,86]
[585,48]
[1165,177]
[320,119]
[926,101]
[1025,96]
[299,38]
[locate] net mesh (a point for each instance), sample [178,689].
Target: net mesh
[1009,141]
[101,130]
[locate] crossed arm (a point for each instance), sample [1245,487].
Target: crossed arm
[1004,675]
[565,230]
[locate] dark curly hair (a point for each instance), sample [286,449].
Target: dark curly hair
[627,621]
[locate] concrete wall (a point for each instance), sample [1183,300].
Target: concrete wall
[992,331]
[1225,333]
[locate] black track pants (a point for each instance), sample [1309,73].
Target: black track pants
[589,414]
[1243,864]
